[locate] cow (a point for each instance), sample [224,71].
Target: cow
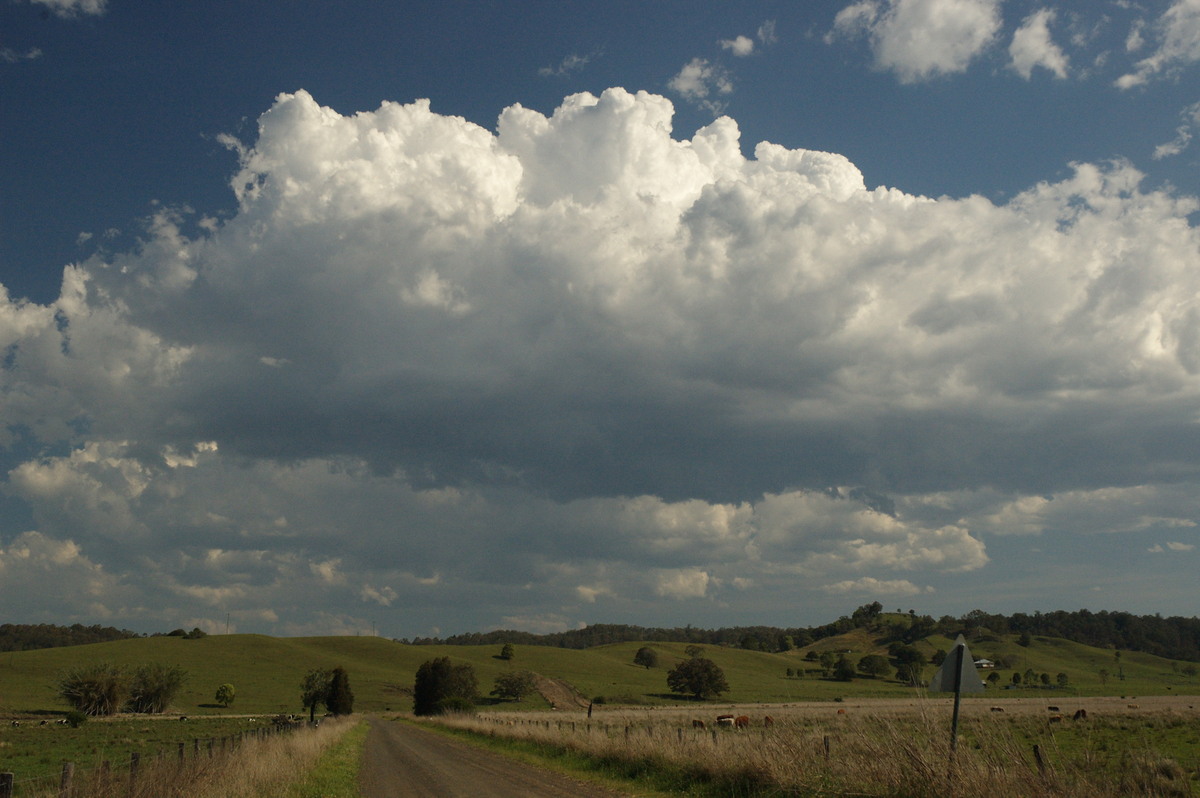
[841,712]
[183,718]
[698,724]
[741,722]
[768,721]
[1052,709]
[1132,706]
[997,709]
[1056,718]
[725,721]
[16,724]
[1080,714]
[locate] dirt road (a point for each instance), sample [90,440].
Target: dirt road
[403,760]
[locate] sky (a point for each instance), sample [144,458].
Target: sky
[415,319]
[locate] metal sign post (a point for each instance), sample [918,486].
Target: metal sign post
[957,674]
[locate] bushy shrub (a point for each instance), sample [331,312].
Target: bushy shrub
[340,699]
[99,689]
[154,686]
[439,679]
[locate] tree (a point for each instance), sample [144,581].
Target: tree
[1103,674]
[993,678]
[99,689]
[843,671]
[694,651]
[1044,678]
[440,684]
[225,694]
[315,690]
[340,698]
[698,677]
[153,686]
[828,661]
[1016,678]
[874,665]
[1062,679]
[515,685]
[507,652]
[646,657]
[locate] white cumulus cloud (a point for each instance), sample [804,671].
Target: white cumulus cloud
[921,39]
[1033,46]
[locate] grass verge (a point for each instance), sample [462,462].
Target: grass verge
[335,774]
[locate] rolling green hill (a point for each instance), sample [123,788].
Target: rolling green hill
[267,671]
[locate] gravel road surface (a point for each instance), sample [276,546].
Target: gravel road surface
[402,760]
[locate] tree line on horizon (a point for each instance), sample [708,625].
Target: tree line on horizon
[1174,637]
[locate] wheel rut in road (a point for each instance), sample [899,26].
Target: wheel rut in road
[400,759]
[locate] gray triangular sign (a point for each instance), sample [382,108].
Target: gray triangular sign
[951,671]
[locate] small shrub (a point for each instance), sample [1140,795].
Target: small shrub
[75,718]
[99,689]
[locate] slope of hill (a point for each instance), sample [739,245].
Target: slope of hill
[267,671]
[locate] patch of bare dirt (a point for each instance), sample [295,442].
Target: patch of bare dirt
[559,694]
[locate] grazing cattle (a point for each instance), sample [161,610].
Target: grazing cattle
[841,712]
[1056,718]
[183,717]
[1132,706]
[997,709]
[1053,709]
[43,723]
[768,721]
[1080,714]
[61,721]
[698,724]
[725,722]
[741,722]
[15,724]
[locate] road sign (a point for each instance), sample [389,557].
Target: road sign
[957,673]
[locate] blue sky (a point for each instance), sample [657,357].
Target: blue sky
[323,318]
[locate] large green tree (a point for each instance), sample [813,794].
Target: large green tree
[439,683]
[698,677]
[514,684]
[314,690]
[339,699]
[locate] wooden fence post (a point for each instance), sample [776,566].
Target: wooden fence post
[64,784]
[134,760]
[826,747]
[1037,754]
[6,785]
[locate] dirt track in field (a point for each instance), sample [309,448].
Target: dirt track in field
[401,759]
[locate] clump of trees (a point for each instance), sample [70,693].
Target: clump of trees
[515,685]
[441,686]
[330,688]
[507,652]
[105,689]
[697,676]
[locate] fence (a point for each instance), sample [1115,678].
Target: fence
[144,776]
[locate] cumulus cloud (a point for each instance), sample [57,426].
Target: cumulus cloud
[921,39]
[1032,46]
[11,56]
[580,363]
[1177,32]
[699,81]
[73,8]
[740,46]
[1159,548]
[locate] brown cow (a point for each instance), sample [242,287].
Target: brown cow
[1056,718]
[741,722]
[1080,714]
[698,724]
[768,721]
[997,709]
[725,720]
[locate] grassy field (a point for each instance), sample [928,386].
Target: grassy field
[266,671]
[876,748]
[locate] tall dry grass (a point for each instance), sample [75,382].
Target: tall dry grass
[859,754]
[254,767]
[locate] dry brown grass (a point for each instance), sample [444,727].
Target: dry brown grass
[257,767]
[854,754]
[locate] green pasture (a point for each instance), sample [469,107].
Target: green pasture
[267,671]
[32,751]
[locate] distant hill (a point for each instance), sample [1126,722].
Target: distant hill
[1173,638]
[28,637]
